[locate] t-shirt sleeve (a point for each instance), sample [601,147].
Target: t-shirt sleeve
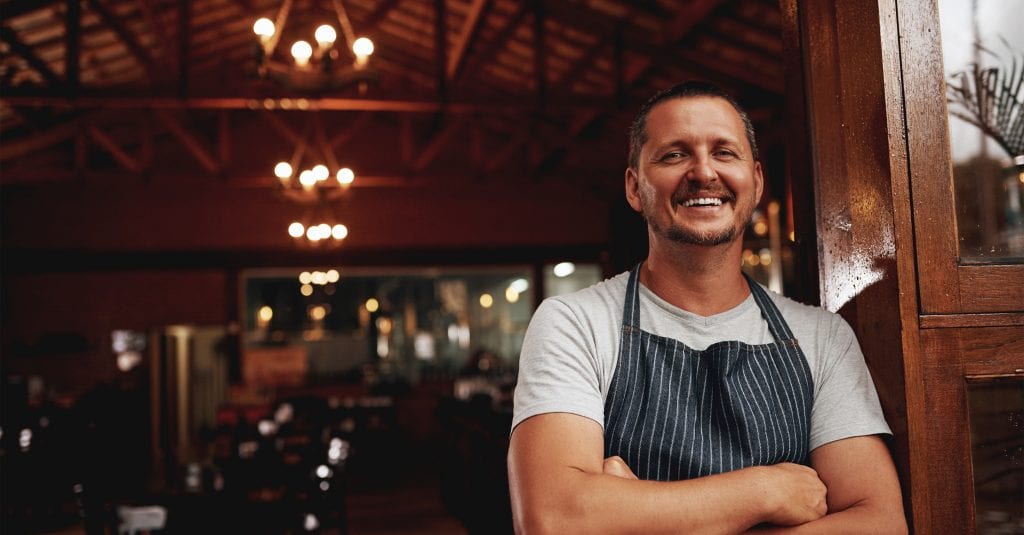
[846,403]
[558,370]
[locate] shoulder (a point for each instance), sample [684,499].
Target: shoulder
[590,303]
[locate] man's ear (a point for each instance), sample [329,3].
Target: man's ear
[633,190]
[758,181]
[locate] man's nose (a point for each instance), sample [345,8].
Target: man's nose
[702,170]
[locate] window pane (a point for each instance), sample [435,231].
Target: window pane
[983,52]
[997,452]
[367,325]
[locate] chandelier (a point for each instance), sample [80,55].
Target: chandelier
[316,180]
[324,66]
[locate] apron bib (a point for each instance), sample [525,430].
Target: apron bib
[674,412]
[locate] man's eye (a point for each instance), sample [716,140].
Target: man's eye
[723,153]
[674,155]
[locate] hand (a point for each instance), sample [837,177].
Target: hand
[615,466]
[795,494]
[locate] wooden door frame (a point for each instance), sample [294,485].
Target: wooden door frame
[929,325]
[851,79]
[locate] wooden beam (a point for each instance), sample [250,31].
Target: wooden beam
[499,107]
[499,40]
[115,23]
[123,159]
[341,138]
[284,128]
[378,14]
[201,154]
[430,152]
[184,46]
[29,55]
[16,8]
[155,26]
[540,68]
[477,13]
[73,46]
[11,149]
[441,48]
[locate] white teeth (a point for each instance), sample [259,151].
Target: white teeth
[703,201]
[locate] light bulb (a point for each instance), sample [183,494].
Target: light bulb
[339,232]
[362,47]
[564,269]
[296,230]
[325,230]
[313,233]
[325,35]
[345,177]
[283,170]
[320,172]
[302,51]
[307,179]
[264,28]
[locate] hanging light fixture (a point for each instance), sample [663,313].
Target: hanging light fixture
[328,64]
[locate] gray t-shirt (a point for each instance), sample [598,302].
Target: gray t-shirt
[572,344]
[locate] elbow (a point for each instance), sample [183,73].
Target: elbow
[540,521]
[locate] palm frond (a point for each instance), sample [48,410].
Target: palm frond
[992,99]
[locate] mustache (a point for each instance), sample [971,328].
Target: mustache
[695,191]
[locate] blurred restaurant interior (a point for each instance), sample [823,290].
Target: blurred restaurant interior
[256,286]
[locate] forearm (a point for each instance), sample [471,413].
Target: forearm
[860,518]
[578,501]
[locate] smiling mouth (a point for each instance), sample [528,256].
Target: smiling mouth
[702,201]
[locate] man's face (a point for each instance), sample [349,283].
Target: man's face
[696,181]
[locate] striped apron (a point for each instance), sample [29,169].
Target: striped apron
[674,412]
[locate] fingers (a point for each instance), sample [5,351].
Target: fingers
[615,466]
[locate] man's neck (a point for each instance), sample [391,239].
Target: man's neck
[704,280]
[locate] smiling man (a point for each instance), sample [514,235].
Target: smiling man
[683,397]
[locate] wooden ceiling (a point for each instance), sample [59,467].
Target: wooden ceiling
[457,91]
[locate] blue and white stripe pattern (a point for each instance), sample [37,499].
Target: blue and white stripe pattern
[673,412]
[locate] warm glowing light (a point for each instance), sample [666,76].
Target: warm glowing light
[319,278]
[792,235]
[302,51]
[760,228]
[305,277]
[264,28]
[520,285]
[333,275]
[486,300]
[317,313]
[307,179]
[310,522]
[313,233]
[325,231]
[339,232]
[511,295]
[306,290]
[283,170]
[372,305]
[362,47]
[266,313]
[320,172]
[564,269]
[296,230]
[766,257]
[345,177]
[325,35]
[384,325]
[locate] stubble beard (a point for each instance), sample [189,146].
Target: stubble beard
[686,236]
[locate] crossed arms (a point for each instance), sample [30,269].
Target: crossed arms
[561,483]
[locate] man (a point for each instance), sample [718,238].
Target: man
[682,397]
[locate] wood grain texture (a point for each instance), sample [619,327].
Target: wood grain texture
[991,288]
[929,155]
[865,248]
[938,321]
[945,446]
